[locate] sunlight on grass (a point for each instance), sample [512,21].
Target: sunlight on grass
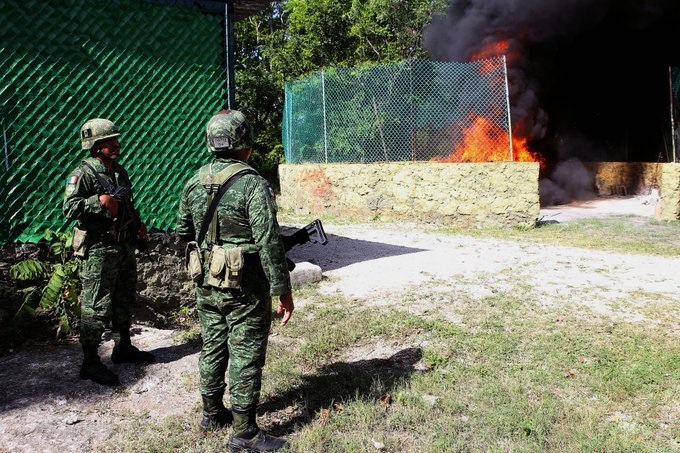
[617,233]
[509,375]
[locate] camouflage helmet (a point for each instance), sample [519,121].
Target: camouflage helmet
[228,130]
[97,129]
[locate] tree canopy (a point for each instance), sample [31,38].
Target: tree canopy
[293,38]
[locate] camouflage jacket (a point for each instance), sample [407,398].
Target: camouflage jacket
[81,197]
[246,218]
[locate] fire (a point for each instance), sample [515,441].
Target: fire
[492,49]
[485,141]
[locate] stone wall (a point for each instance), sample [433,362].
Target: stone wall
[625,178]
[162,283]
[641,178]
[471,194]
[669,206]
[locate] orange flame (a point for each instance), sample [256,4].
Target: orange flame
[485,141]
[492,49]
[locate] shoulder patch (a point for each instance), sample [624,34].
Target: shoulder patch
[72,182]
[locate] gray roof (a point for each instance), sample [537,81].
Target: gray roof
[242,8]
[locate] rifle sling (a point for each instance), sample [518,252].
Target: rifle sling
[213,206]
[105,184]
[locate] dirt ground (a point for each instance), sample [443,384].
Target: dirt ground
[44,406]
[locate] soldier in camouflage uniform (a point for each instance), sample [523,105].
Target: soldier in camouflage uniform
[235,323]
[108,269]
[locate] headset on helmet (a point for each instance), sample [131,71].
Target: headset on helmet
[97,129]
[228,130]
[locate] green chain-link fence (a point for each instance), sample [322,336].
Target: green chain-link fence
[154,68]
[418,110]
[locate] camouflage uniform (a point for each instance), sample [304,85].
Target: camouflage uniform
[108,272]
[235,323]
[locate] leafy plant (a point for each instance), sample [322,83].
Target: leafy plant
[52,285]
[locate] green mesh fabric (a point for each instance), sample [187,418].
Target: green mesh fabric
[407,111]
[154,69]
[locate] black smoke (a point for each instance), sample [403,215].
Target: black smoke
[588,78]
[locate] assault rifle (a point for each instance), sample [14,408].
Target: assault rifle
[312,232]
[128,222]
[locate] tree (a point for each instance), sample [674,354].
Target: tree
[292,38]
[391,30]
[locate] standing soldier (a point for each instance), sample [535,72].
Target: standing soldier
[99,196]
[237,268]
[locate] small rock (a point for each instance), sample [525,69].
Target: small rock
[73,419]
[305,272]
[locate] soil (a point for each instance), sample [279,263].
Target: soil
[45,406]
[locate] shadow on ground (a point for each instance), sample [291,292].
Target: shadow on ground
[341,381]
[43,372]
[342,251]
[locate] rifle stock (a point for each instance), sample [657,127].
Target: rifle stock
[312,232]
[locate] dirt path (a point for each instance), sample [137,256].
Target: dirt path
[44,406]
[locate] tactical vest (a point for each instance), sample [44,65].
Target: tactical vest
[212,182]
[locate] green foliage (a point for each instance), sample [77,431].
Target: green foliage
[54,285]
[28,270]
[296,37]
[391,30]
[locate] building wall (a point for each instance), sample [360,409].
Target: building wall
[501,194]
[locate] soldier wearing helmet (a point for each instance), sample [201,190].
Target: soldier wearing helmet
[98,196]
[244,266]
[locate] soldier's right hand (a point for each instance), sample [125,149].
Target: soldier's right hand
[109,203]
[286,307]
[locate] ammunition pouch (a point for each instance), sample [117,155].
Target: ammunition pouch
[226,268]
[193,262]
[79,242]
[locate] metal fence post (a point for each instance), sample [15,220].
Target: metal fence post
[229,54]
[323,103]
[672,104]
[507,103]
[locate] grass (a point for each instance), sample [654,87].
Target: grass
[620,233]
[513,377]
[628,234]
[509,375]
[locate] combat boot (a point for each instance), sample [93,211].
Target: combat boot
[248,437]
[95,370]
[130,354]
[124,352]
[256,440]
[215,415]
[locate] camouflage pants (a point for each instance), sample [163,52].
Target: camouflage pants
[109,278]
[235,332]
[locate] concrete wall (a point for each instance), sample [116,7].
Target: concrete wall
[625,178]
[669,206]
[639,178]
[471,194]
